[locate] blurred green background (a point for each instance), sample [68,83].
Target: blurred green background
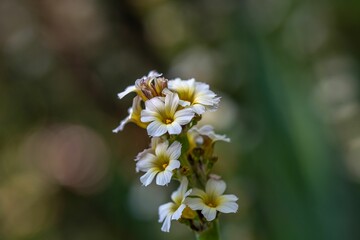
[287,71]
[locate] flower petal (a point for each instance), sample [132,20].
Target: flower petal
[149,116]
[146,163]
[184,103]
[174,128]
[215,187]
[207,98]
[142,154]
[184,116]
[161,148]
[155,141]
[146,156]
[177,214]
[199,193]
[148,177]
[156,129]
[173,164]
[179,195]
[228,207]
[195,203]
[154,74]
[209,213]
[187,193]
[198,109]
[208,130]
[167,224]
[228,197]
[185,88]
[174,151]
[122,123]
[163,178]
[164,210]
[155,105]
[200,86]
[127,91]
[171,104]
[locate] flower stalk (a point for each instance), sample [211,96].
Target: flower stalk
[170,110]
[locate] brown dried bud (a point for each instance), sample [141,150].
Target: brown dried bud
[151,86]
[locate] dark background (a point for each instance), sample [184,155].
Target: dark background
[287,72]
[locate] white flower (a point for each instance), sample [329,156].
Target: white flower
[195,134]
[134,116]
[161,164]
[212,200]
[164,116]
[199,95]
[204,137]
[147,87]
[173,210]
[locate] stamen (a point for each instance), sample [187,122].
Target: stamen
[168,121]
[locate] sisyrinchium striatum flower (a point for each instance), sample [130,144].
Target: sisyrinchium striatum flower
[170,110]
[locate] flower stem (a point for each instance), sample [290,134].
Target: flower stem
[211,233]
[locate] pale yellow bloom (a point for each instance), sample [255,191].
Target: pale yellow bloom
[159,164]
[165,115]
[212,200]
[198,94]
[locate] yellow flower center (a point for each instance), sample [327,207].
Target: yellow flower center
[211,201]
[168,121]
[211,205]
[162,162]
[165,165]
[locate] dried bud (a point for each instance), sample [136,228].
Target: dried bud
[151,86]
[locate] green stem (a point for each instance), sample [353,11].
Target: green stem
[211,233]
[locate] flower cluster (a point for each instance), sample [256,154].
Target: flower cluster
[169,110]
